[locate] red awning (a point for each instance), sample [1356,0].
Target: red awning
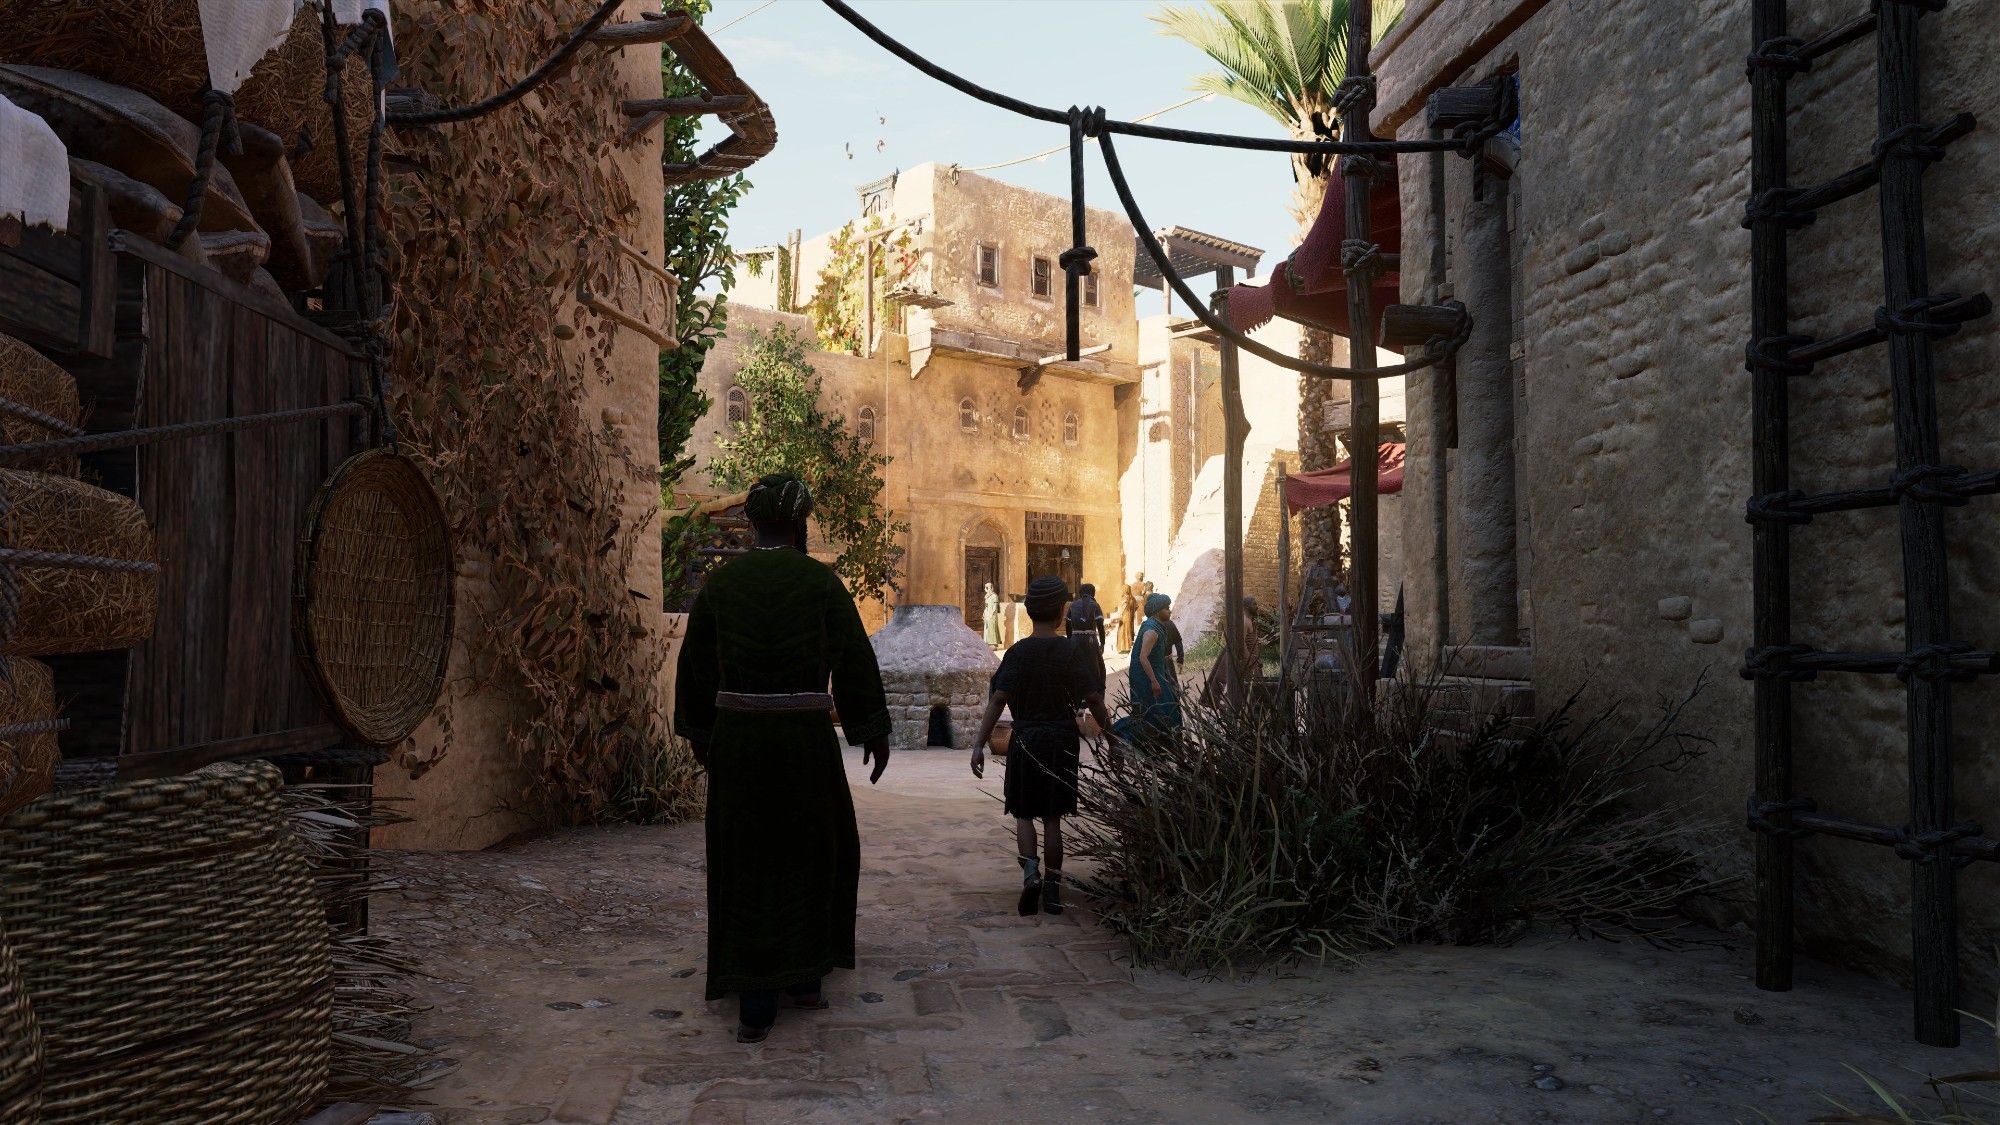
[1328,486]
[1311,285]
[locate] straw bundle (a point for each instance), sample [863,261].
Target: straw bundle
[173,948]
[30,379]
[155,47]
[77,609]
[20,1044]
[27,757]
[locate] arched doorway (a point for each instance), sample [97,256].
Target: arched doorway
[983,550]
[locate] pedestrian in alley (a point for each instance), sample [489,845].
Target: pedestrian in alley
[1042,680]
[765,636]
[1084,622]
[1156,686]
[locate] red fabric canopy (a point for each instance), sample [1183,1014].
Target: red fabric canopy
[1311,284]
[1328,486]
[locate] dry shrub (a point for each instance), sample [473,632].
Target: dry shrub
[1258,836]
[374,1059]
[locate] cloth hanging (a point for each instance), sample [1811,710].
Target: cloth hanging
[1311,284]
[1321,487]
[237,34]
[34,170]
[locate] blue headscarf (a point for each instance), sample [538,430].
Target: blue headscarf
[1157,602]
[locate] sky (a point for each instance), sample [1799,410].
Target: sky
[849,113]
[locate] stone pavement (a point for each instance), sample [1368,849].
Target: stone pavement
[568,982]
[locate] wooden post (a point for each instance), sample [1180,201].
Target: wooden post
[1913,392]
[1284,588]
[1443,431]
[1771,554]
[1235,430]
[867,295]
[1361,339]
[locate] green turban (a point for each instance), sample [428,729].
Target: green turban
[778,497]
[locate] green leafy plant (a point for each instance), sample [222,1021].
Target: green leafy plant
[839,303]
[786,431]
[697,250]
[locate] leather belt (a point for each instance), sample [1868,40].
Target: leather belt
[774,704]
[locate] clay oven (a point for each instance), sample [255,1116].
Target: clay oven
[933,665]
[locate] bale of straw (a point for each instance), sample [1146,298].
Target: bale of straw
[29,378]
[28,759]
[155,47]
[68,609]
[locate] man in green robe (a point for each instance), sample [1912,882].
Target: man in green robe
[766,636]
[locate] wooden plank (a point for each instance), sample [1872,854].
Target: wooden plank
[256,651]
[1364,391]
[36,305]
[98,287]
[658,29]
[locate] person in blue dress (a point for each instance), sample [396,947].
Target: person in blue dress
[1156,689]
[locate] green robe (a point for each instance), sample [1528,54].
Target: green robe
[784,859]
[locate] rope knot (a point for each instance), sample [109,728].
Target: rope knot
[1087,121]
[1929,847]
[1772,355]
[1773,662]
[1356,91]
[1360,256]
[1774,818]
[1915,141]
[1776,507]
[1916,483]
[1779,55]
[1915,318]
[1937,662]
[1077,260]
[1773,205]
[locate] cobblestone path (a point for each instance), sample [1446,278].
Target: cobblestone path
[568,984]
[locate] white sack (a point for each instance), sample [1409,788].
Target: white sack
[34,169]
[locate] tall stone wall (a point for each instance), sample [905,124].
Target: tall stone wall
[1633,416]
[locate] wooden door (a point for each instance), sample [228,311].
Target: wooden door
[1063,561]
[982,565]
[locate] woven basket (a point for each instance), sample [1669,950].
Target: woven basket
[30,379]
[28,756]
[20,1045]
[174,950]
[372,596]
[155,47]
[77,608]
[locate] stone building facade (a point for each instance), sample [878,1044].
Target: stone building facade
[1588,532]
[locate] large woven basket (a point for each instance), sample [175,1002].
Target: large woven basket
[173,948]
[155,47]
[20,1045]
[372,596]
[31,385]
[108,603]
[28,751]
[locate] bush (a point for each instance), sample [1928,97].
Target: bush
[1259,836]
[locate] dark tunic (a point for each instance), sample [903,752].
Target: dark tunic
[1045,679]
[784,859]
[1085,626]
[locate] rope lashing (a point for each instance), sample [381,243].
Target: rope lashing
[1772,205]
[13,557]
[1075,261]
[1929,847]
[1772,355]
[28,413]
[1776,507]
[1468,137]
[521,89]
[31,451]
[1779,55]
[1361,259]
[1773,662]
[1956,663]
[218,128]
[33,726]
[1931,484]
[1916,316]
[1774,818]
[1356,91]
[1921,142]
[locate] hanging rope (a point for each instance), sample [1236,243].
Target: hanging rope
[518,90]
[218,129]
[1435,349]
[1076,260]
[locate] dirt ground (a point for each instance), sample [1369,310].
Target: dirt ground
[568,983]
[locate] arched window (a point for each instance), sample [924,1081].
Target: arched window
[968,416]
[1072,428]
[737,408]
[1020,423]
[864,423]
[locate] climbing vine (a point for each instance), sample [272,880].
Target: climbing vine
[839,303]
[494,363]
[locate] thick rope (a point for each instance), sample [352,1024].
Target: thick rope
[519,89]
[218,128]
[31,451]
[1436,349]
[14,557]
[28,413]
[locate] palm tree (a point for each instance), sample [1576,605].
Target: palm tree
[1286,58]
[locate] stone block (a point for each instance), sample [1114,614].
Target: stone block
[1676,608]
[591,1097]
[1705,631]
[739,1090]
[933,997]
